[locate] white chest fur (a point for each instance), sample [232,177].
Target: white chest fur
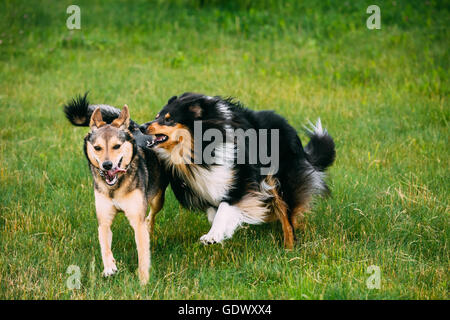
[116,204]
[210,184]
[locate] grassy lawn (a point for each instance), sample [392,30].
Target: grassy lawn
[382,94]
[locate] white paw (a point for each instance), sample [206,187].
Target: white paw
[211,238]
[110,269]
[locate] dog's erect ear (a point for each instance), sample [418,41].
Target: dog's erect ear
[123,121]
[196,110]
[172,99]
[96,120]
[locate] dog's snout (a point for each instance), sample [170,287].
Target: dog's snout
[107,165]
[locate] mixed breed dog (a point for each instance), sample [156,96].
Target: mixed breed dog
[133,164]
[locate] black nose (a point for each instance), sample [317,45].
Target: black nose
[143,127]
[107,165]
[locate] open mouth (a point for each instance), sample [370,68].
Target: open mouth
[111,176]
[159,138]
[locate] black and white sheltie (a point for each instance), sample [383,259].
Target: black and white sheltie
[239,185]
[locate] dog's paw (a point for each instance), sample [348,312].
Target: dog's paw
[210,238]
[109,270]
[143,276]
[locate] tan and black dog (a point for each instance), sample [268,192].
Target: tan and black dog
[127,176]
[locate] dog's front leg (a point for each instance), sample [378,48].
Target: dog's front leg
[227,219]
[142,238]
[135,208]
[105,216]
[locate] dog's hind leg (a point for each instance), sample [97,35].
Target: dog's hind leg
[156,204]
[288,232]
[297,217]
[280,208]
[298,209]
[105,215]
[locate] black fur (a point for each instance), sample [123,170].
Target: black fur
[79,111]
[299,167]
[320,150]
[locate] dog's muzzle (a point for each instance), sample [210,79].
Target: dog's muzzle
[111,175]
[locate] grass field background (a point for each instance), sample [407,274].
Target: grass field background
[382,94]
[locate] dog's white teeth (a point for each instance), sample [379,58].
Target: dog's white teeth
[161,138]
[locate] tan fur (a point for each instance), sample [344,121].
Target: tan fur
[123,121]
[108,138]
[156,205]
[179,144]
[267,205]
[132,202]
[107,152]
[105,216]
[280,209]
[96,119]
[298,217]
[254,206]
[197,110]
[174,133]
[91,154]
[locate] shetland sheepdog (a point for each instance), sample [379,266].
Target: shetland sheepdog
[216,152]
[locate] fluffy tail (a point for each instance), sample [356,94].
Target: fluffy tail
[320,150]
[79,112]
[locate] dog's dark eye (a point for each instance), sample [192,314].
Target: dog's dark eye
[97,148]
[117,146]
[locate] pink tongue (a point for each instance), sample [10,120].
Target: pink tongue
[112,173]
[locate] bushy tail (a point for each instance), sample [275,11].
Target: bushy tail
[320,150]
[79,112]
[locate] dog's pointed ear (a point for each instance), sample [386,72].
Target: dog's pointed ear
[96,120]
[172,99]
[123,121]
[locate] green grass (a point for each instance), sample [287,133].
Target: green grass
[382,94]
